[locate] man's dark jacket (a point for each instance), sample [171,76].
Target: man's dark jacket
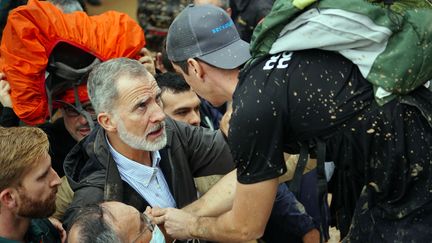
[60,140]
[190,152]
[39,231]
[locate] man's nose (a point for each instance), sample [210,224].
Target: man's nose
[157,114]
[82,120]
[194,118]
[56,181]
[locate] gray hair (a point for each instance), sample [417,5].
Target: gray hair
[92,226]
[102,81]
[67,6]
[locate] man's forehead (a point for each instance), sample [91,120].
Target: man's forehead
[179,99]
[126,86]
[43,164]
[119,210]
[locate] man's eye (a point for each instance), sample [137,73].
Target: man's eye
[181,113]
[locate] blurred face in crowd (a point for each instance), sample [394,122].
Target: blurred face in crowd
[182,106]
[217,3]
[75,123]
[128,223]
[138,116]
[37,190]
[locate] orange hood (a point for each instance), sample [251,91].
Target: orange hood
[33,30]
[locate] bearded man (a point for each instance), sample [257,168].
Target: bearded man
[138,156]
[28,186]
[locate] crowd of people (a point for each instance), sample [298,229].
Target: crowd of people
[177,128]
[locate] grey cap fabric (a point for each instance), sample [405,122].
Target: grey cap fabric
[207,33]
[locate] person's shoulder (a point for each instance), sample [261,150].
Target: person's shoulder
[180,133]
[267,64]
[85,165]
[4,240]
[42,230]
[279,66]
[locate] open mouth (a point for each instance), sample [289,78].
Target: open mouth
[84,131]
[155,132]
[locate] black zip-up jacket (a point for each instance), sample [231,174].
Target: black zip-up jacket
[190,152]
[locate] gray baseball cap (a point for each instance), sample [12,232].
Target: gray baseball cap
[207,33]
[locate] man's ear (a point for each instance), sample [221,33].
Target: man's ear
[107,122]
[195,68]
[9,198]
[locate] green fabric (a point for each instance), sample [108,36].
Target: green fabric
[39,231]
[301,4]
[406,62]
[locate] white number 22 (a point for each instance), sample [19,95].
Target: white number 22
[282,62]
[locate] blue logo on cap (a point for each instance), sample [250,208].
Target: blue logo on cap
[222,27]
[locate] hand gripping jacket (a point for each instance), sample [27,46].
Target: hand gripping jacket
[32,32]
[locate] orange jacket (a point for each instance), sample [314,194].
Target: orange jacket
[33,30]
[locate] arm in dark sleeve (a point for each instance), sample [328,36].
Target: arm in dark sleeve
[206,150]
[288,218]
[9,118]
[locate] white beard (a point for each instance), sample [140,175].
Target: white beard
[140,142]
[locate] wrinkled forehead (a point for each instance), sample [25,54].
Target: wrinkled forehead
[117,207]
[131,88]
[130,82]
[122,217]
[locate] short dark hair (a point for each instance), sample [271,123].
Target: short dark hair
[183,65]
[173,82]
[93,226]
[165,60]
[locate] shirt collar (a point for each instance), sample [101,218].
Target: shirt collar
[133,168]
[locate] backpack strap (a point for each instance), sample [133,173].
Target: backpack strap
[321,181]
[79,108]
[320,149]
[67,77]
[301,164]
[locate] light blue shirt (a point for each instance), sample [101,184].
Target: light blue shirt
[148,181]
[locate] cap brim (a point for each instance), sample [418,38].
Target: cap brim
[230,56]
